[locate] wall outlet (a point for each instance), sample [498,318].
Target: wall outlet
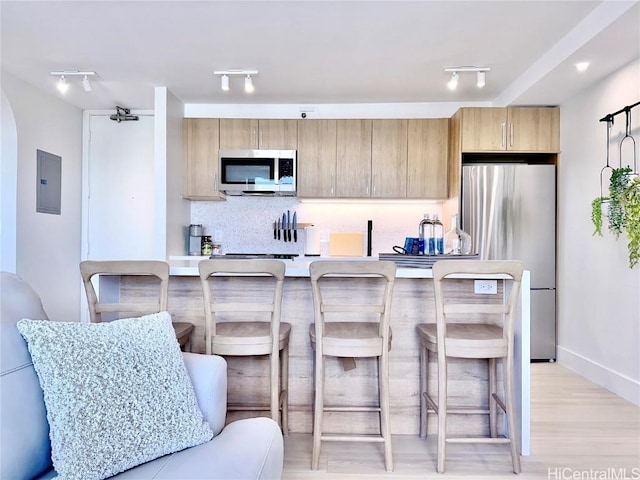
[485,287]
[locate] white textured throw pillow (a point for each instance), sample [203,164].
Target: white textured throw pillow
[117,394]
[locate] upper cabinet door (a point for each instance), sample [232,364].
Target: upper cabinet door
[200,143]
[389,158]
[534,129]
[484,129]
[428,158]
[278,134]
[238,133]
[515,129]
[251,134]
[316,158]
[353,170]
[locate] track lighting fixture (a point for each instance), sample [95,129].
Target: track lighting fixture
[63,84]
[455,71]
[247,74]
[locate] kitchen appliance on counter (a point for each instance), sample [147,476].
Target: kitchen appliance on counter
[196,232]
[509,209]
[255,172]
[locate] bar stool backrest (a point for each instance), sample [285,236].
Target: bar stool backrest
[154,268]
[218,304]
[501,313]
[350,298]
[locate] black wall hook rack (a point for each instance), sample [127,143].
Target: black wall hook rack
[609,117]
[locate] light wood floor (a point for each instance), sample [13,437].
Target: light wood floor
[578,430]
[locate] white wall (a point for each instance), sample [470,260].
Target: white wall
[169,113]
[599,296]
[48,246]
[8,186]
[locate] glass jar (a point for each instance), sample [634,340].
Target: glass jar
[206,245]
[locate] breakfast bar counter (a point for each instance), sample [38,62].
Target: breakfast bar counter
[413,303]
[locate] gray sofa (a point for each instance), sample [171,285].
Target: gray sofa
[245,449]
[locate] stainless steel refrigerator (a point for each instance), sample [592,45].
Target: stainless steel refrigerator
[510,212]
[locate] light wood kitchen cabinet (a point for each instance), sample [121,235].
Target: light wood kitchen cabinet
[353,162]
[427,158]
[515,129]
[389,158]
[200,145]
[316,175]
[240,133]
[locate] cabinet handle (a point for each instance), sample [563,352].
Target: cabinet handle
[215,182]
[259,138]
[511,134]
[503,142]
[333,183]
[373,184]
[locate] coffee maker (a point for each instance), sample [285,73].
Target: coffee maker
[195,239]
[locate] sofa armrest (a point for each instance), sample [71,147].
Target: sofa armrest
[209,378]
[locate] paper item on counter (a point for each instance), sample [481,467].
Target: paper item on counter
[346,244]
[311,241]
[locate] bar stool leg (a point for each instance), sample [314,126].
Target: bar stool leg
[274,362]
[442,410]
[493,389]
[383,386]
[507,368]
[318,411]
[284,380]
[424,379]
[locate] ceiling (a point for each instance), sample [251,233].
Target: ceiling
[318,52]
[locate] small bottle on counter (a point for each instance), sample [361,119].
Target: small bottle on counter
[425,232]
[451,238]
[206,245]
[438,236]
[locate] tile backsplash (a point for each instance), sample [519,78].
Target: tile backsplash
[245,224]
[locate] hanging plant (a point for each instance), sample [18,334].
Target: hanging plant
[631,204]
[596,213]
[617,185]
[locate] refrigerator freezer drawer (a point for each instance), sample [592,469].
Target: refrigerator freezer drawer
[543,324]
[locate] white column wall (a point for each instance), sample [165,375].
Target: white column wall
[598,295]
[47,246]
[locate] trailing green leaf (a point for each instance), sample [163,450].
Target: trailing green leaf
[617,184]
[596,214]
[631,204]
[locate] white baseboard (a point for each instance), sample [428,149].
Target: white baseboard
[621,385]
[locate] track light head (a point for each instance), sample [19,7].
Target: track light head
[62,85]
[481,80]
[86,84]
[453,82]
[224,83]
[248,84]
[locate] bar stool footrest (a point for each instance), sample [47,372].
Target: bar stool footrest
[352,438]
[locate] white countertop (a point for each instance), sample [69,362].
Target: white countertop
[299,267]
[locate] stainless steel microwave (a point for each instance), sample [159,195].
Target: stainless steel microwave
[257,172]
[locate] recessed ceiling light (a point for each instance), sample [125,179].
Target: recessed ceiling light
[582,66]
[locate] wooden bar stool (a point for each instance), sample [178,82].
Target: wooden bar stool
[370,336]
[249,336]
[154,268]
[471,328]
